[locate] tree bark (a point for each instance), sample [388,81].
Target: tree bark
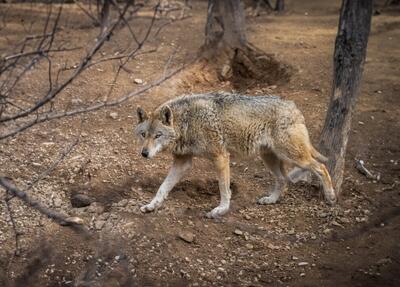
[225,22]
[104,16]
[280,5]
[349,56]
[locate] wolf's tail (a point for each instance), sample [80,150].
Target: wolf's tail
[317,155]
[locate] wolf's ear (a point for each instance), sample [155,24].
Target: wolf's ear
[141,114]
[166,115]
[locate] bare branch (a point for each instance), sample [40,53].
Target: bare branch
[87,13]
[14,226]
[53,93]
[51,116]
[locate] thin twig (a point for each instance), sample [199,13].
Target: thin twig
[54,164]
[87,13]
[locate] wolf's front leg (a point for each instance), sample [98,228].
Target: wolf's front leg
[179,168]
[222,166]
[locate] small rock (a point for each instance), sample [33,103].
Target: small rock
[80,200]
[335,223]
[95,207]
[238,232]
[122,203]
[113,115]
[384,261]
[303,263]
[273,247]
[57,202]
[99,224]
[249,246]
[302,274]
[291,231]
[323,214]
[138,81]
[327,231]
[226,71]
[186,236]
[344,220]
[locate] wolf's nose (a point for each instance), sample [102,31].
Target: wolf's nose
[145,153]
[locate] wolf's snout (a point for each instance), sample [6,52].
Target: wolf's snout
[145,153]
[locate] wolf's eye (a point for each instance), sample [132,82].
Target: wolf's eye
[143,134]
[158,135]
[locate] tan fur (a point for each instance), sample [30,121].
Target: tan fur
[217,125]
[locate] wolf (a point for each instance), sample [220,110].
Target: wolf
[218,125]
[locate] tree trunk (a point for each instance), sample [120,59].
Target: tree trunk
[225,22]
[349,57]
[104,16]
[280,5]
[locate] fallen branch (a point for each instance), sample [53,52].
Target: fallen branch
[363,170]
[64,220]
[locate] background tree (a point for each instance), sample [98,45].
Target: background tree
[349,57]
[104,15]
[280,5]
[226,22]
[232,54]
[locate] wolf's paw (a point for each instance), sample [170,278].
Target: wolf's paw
[147,208]
[268,200]
[217,212]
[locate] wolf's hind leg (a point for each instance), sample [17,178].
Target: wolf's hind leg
[322,173]
[179,168]
[276,166]
[222,165]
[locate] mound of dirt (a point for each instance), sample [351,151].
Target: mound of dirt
[251,66]
[247,66]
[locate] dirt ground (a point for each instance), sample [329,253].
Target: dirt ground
[299,241]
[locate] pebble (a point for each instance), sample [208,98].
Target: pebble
[80,200]
[186,236]
[99,224]
[95,207]
[57,202]
[138,81]
[113,115]
[122,203]
[249,246]
[238,232]
[327,231]
[273,247]
[303,263]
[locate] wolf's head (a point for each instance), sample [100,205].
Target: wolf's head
[155,131]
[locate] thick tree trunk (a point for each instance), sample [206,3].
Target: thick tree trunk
[280,5]
[225,22]
[349,57]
